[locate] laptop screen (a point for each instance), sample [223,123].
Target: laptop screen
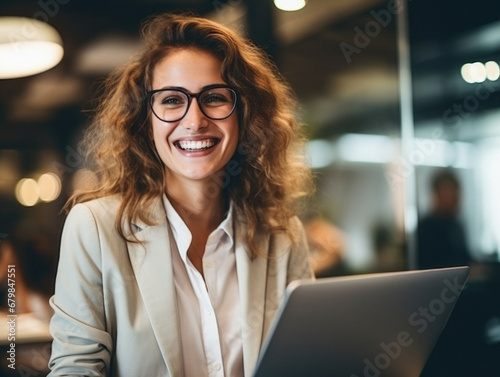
[361,326]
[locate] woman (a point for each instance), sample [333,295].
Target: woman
[176,263]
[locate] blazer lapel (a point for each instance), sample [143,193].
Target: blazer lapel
[252,288]
[152,264]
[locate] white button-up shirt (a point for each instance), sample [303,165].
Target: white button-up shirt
[209,310]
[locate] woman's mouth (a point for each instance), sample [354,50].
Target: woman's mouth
[196,145]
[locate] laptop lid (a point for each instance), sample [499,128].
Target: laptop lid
[360,326]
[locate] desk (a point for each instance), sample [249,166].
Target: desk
[28,340]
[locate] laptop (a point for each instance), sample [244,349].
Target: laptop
[373,325]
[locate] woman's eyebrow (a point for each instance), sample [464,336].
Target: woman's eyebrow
[209,86]
[172,87]
[214,86]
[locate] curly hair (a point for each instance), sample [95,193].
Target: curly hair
[268,174]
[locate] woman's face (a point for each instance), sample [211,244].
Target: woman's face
[195,147]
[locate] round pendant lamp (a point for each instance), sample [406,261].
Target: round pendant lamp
[27,47]
[290,5]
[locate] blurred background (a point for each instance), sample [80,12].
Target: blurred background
[402,112]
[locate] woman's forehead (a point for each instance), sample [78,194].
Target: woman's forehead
[187,68]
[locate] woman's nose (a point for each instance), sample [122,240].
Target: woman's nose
[194,118]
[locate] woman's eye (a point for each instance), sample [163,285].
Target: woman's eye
[215,99]
[171,101]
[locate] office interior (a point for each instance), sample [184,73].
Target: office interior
[392,93]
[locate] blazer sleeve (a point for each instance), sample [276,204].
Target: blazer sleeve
[81,345]
[299,266]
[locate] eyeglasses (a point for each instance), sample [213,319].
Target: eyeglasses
[171,105]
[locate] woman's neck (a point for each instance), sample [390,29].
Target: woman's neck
[200,205]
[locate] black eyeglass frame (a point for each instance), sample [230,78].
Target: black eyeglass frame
[190,96]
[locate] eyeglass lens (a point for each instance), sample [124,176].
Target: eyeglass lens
[171,105]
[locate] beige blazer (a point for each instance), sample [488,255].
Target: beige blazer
[115,306]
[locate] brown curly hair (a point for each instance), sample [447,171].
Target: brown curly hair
[271,172]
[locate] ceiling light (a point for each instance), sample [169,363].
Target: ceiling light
[478,72]
[319,153]
[467,74]
[27,192]
[474,72]
[492,71]
[49,186]
[27,47]
[290,5]
[365,148]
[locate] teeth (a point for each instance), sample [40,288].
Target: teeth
[192,145]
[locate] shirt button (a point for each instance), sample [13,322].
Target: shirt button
[216,366]
[209,264]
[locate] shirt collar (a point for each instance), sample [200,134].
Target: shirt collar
[227,225]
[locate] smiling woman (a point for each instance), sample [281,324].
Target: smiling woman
[187,244]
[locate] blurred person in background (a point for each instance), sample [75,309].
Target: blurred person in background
[441,238]
[176,264]
[326,244]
